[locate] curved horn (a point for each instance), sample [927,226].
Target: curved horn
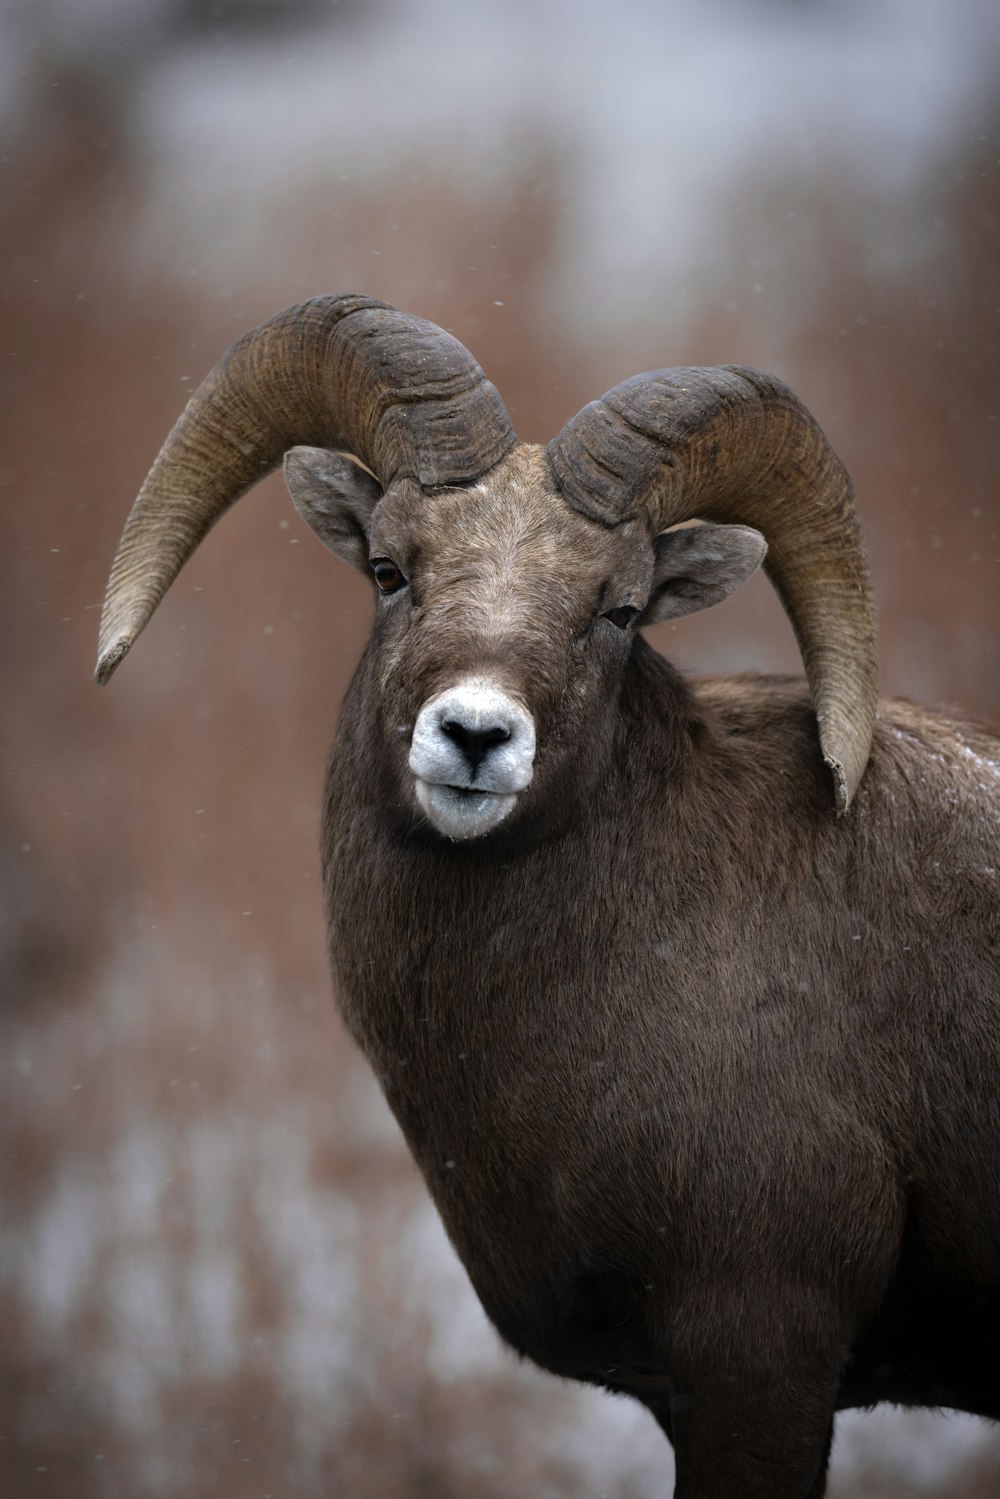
[343,372]
[735,445]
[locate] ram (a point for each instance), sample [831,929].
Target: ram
[685,995]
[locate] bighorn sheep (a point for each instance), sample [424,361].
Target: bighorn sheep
[700,1062]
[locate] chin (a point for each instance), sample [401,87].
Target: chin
[462,814]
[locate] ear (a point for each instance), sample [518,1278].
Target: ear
[336,498]
[699,566]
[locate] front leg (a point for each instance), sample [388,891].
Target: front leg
[752,1462]
[751,1410]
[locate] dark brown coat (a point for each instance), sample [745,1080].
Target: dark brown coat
[704,1084]
[702,1075]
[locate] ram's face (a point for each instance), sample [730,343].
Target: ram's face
[503,623]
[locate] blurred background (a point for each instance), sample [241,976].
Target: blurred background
[219,1274]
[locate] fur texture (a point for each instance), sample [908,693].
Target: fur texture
[702,1078]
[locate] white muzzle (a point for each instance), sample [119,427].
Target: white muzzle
[472,751]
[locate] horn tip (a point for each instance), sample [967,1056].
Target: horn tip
[842,791]
[109,658]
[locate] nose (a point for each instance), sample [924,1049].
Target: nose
[474,735]
[475,740]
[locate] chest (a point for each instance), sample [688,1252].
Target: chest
[501,1023]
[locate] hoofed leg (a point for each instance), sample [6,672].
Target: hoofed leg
[819,1483]
[755,1421]
[726,1449]
[661,1411]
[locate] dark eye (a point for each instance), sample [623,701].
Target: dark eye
[622,617]
[387,575]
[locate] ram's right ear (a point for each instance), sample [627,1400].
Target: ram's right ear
[336,497]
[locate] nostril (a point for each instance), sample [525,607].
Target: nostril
[474,743]
[499,735]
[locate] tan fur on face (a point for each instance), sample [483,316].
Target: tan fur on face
[505,576]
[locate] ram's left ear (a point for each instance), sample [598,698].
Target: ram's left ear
[699,566]
[336,497]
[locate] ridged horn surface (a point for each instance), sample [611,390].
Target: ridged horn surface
[737,446]
[344,372]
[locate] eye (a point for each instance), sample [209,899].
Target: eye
[387,575]
[622,617]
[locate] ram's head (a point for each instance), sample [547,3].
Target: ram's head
[510,577]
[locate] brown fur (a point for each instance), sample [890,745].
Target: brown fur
[702,1078]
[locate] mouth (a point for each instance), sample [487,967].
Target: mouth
[462,812]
